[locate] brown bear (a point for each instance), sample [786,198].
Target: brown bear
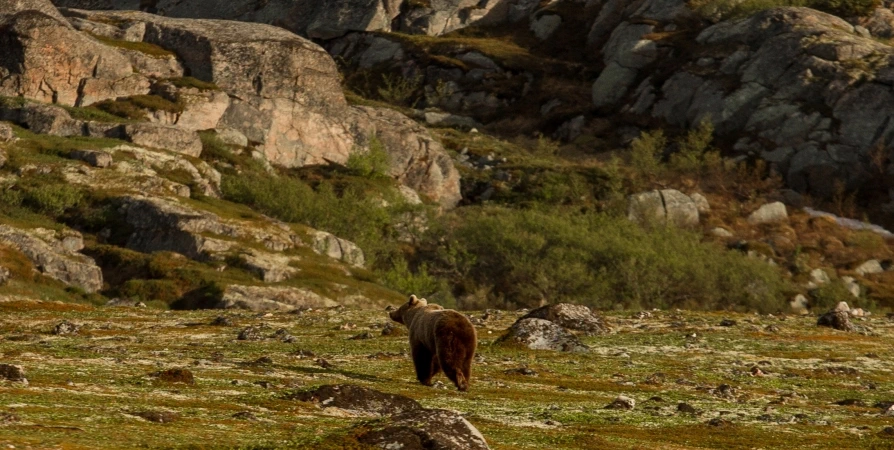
[440,339]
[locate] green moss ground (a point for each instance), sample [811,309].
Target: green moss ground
[84,390]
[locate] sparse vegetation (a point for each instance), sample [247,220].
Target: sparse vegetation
[142,47]
[372,163]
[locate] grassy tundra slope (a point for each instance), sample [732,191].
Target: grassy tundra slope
[764,382]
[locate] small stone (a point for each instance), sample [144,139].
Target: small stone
[157,416]
[390,329]
[301,353]
[686,408]
[869,267]
[727,323]
[12,373]
[222,321]
[361,336]
[521,371]
[323,363]
[835,319]
[622,402]
[250,334]
[246,415]
[718,422]
[770,212]
[175,376]
[65,327]
[851,402]
[721,232]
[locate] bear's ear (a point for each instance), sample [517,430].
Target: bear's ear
[413,300]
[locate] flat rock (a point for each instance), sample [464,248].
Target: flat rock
[358,399]
[424,430]
[770,212]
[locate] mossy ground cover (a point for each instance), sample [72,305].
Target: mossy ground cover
[92,389]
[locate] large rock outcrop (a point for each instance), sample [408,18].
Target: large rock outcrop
[281,91]
[43,58]
[802,89]
[56,256]
[330,19]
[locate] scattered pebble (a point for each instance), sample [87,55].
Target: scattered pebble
[65,327]
[622,402]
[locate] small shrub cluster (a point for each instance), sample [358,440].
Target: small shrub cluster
[373,163]
[526,256]
[136,106]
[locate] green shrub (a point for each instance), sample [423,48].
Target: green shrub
[694,151]
[524,257]
[136,106]
[400,278]
[373,163]
[190,82]
[52,198]
[646,152]
[399,90]
[350,214]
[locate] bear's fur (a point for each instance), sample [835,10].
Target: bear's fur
[440,339]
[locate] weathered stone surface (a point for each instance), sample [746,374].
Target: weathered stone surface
[166,225]
[269,267]
[836,319]
[869,267]
[164,137]
[417,160]
[767,213]
[575,317]
[541,334]
[358,399]
[45,59]
[55,256]
[13,373]
[95,158]
[422,430]
[545,26]
[335,247]
[269,298]
[665,206]
[46,119]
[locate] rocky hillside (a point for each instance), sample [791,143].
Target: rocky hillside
[205,206]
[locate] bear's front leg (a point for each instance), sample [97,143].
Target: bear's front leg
[422,360]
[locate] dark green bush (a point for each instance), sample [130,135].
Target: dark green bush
[350,214]
[524,257]
[373,163]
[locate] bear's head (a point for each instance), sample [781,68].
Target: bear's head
[398,314]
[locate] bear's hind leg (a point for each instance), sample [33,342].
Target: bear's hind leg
[423,360]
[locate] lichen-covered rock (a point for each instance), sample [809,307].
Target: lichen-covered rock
[664,206]
[95,158]
[541,334]
[45,59]
[767,213]
[837,319]
[175,139]
[55,256]
[335,247]
[270,298]
[358,399]
[423,430]
[13,373]
[166,225]
[574,317]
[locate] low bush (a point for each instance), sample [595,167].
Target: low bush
[373,163]
[525,257]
